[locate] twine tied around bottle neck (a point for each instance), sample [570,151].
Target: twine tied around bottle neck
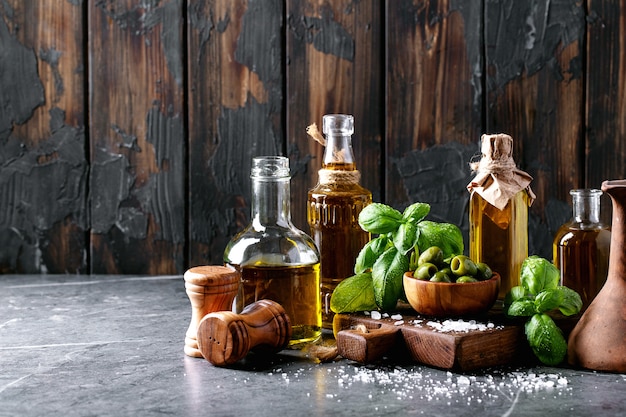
[497,177]
[332,176]
[488,165]
[335,177]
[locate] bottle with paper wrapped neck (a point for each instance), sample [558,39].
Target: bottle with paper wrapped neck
[498,211]
[333,209]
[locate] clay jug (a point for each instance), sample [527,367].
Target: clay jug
[598,341]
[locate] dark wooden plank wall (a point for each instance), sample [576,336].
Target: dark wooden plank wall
[127,127]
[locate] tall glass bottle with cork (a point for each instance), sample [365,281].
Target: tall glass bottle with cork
[581,246]
[498,211]
[276,260]
[333,209]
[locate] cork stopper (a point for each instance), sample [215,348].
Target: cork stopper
[497,177]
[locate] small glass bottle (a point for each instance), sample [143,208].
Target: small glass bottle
[276,260]
[333,210]
[498,211]
[581,246]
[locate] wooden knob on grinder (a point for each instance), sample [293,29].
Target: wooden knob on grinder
[225,337]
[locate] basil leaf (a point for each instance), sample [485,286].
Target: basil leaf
[353,294]
[379,218]
[538,274]
[514,294]
[387,278]
[446,236]
[405,237]
[369,253]
[546,339]
[571,304]
[416,212]
[548,300]
[521,308]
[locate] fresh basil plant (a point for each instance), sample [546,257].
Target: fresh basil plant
[385,258]
[538,294]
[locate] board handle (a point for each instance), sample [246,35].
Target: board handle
[366,345]
[225,337]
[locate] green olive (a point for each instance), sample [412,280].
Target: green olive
[433,255]
[440,277]
[484,272]
[466,278]
[446,270]
[462,265]
[425,271]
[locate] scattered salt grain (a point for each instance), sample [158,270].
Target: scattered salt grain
[398,323]
[460,325]
[396,317]
[376,315]
[463,380]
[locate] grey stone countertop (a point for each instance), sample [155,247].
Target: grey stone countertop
[113,346]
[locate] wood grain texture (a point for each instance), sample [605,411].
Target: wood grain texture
[367,346]
[535,94]
[433,104]
[127,127]
[136,137]
[43,167]
[459,350]
[605,108]
[225,337]
[235,112]
[334,65]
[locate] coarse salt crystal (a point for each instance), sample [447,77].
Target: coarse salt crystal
[463,380]
[459,326]
[376,315]
[398,323]
[396,317]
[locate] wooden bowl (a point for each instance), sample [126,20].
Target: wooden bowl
[442,299]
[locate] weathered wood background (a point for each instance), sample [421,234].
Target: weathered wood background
[127,127]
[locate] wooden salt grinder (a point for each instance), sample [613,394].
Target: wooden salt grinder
[225,337]
[209,288]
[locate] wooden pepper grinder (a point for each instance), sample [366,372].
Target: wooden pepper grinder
[209,288]
[225,337]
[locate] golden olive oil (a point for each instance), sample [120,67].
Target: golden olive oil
[582,256]
[333,214]
[500,237]
[295,288]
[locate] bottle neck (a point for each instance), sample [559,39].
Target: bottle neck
[271,202]
[338,154]
[586,206]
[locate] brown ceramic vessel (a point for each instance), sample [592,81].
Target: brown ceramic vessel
[598,341]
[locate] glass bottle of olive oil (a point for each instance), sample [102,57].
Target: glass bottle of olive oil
[581,246]
[498,211]
[276,260]
[333,209]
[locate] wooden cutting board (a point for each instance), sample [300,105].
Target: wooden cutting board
[414,337]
